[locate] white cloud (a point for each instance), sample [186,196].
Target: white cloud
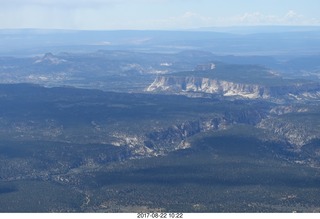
[186,20]
[293,17]
[193,20]
[258,18]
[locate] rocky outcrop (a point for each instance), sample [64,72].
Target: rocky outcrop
[206,85]
[183,85]
[176,136]
[294,133]
[49,58]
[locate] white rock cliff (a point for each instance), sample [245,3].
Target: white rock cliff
[191,84]
[206,85]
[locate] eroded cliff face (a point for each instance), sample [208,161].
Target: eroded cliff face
[206,85]
[183,85]
[296,134]
[177,136]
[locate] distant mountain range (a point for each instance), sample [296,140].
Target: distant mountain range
[260,40]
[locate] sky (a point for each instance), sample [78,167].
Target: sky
[155,14]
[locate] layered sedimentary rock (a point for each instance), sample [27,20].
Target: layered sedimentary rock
[172,84]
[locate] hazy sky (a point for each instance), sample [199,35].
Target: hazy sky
[155,14]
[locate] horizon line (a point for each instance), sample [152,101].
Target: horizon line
[176,29]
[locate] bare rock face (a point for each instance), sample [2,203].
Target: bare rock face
[296,134]
[206,85]
[49,58]
[180,85]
